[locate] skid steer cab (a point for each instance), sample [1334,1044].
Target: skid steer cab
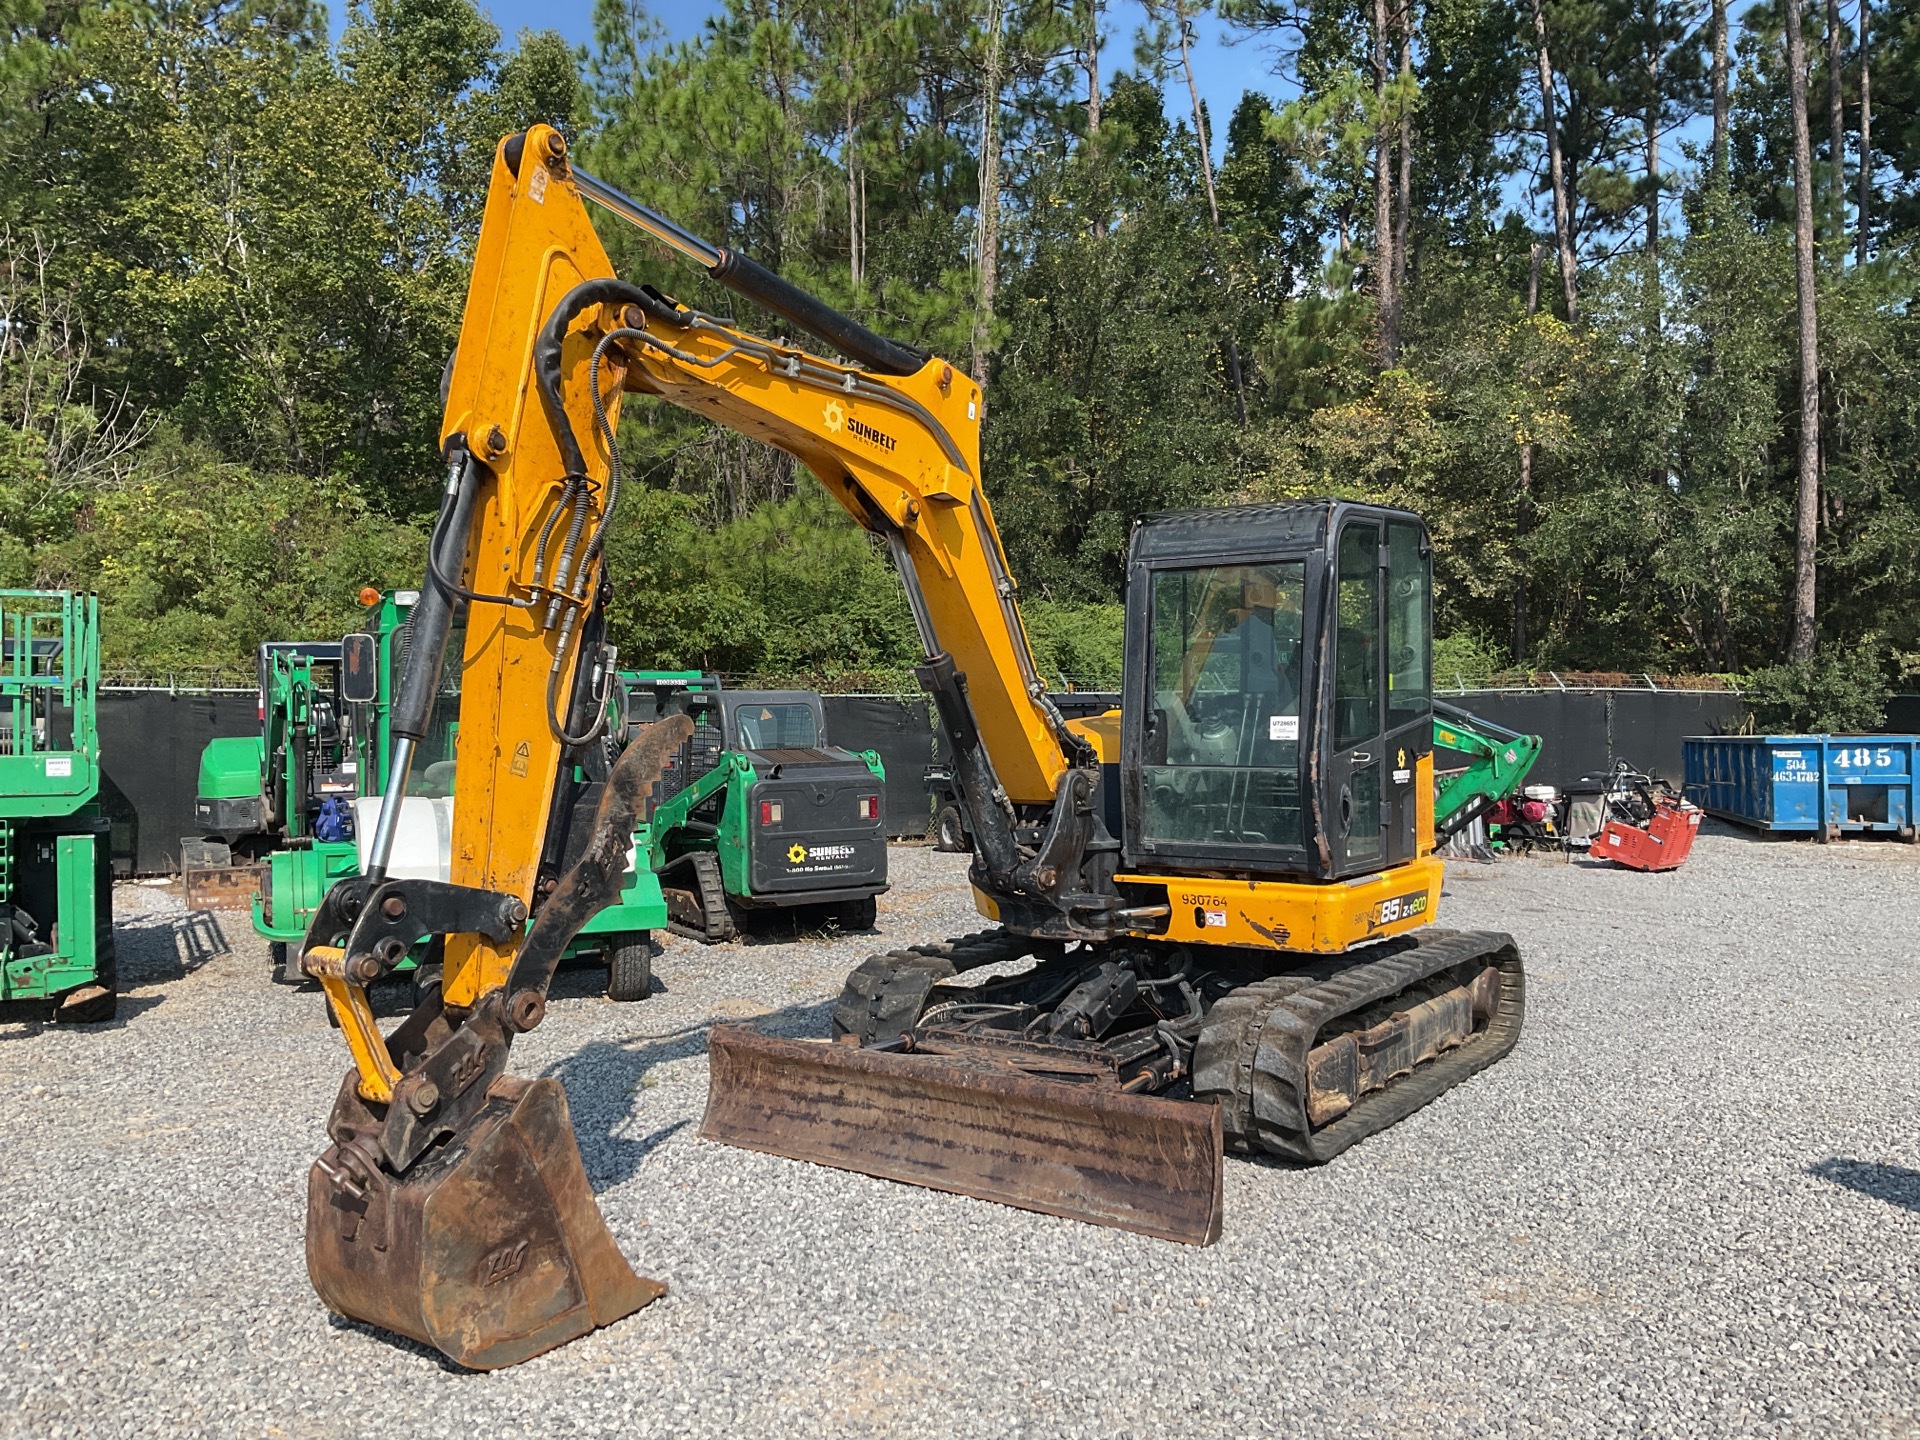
[761,818]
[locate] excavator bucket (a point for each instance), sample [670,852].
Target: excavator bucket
[454,1207]
[491,1250]
[972,1127]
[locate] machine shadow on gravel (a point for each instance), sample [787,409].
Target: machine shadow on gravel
[28,1019]
[403,1344]
[797,924]
[1895,1184]
[605,1078]
[148,950]
[160,949]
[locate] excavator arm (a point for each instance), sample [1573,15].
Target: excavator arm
[894,436]
[550,341]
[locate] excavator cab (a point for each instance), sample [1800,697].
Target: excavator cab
[1277,705]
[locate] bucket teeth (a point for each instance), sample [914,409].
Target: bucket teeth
[1082,1151]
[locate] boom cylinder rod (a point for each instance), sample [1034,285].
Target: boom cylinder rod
[652,221]
[429,625]
[389,823]
[760,285]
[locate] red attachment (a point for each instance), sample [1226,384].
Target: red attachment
[1663,845]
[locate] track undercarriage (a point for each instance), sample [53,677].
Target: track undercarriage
[1103,1082]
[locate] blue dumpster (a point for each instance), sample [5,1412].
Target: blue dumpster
[1792,783]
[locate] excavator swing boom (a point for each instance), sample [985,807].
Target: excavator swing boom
[1212,905]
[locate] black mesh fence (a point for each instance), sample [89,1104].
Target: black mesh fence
[901,729]
[1585,732]
[150,744]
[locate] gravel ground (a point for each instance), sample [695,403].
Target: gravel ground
[1688,1204]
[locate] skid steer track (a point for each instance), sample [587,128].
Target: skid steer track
[701,913]
[1300,1065]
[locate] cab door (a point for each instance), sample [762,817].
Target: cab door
[1380,720]
[1407,578]
[1355,724]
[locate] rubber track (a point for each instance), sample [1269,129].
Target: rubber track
[889,991]
[1223,1060]
[712,891]
[1279,1025]
[981,947]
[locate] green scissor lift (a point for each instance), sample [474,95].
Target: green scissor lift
[56,862]
[300,875]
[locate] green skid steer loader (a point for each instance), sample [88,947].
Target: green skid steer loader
[56,861]
[760,817]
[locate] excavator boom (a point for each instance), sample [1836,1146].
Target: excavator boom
[1498,760]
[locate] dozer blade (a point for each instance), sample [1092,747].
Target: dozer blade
[491,1249]
[972,1128]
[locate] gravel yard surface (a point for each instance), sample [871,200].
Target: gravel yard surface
[1688,1204]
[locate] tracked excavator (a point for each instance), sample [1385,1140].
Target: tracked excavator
[1211,910]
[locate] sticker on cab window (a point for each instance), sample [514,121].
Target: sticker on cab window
[1283,727]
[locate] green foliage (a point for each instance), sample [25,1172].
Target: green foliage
[1841,690]
[794,589]
[1108,401]
[233,261]
[1462,659]
[275,235]
[1082,646]
[197,560]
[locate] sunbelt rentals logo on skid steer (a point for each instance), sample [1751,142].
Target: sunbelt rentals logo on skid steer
[821,856]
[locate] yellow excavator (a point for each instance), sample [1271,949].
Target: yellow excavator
[1212,907]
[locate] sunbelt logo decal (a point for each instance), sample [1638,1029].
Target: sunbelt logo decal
[798,854]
